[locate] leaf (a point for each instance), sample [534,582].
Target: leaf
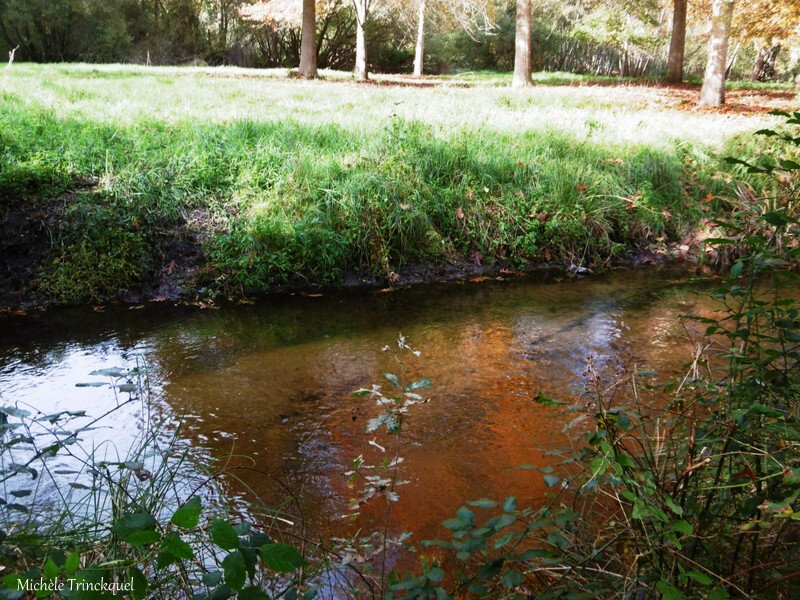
[551,480]
[699,577]
[13,411]
[682,526]
[188,515]
[137,529]
[177,547]
[669,591]
[456,524]
[282,558]
[113,372]
[212,578]
[252,593]
[435,575]
[510,504]
[234,569]
[127,387]
[139,584]
[419,384]
[483,503]
[512,578]
[92,384]
[736,269]
[393,378]
[223,534]
[51,569]
[73,562]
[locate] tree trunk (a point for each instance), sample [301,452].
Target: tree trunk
[677,44]
[522,46]
[732,60]
[308,41]
[764,67]
[713,91]
[362,10]
[420,51]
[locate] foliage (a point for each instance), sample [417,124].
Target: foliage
[695,498]
[139,526]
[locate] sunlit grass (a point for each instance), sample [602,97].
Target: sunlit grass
[311,179]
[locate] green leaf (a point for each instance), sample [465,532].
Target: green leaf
[51,569]
[718,593]
[510,504]
[435,574]
[113,372]
[177,547]
[73,563]
[234,569]
[393,378]
[737,268]
[212,578]
[551,480]
[188,515]
[669,591]
[483,503]
[127,387]
[137,529]
[92,384]
[282,558]
[13,411]
[139,584]
[456,524]
[223,534]
[699,577]
[682,526]
[252,593]
[418,384]
[512,578]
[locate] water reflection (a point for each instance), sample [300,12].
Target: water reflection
[272,381]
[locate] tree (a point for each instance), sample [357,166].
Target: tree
[522,45]
[677,43]
[419,51]
[713,90]
[362,8]
[308,43]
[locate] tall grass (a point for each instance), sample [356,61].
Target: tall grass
[269,180]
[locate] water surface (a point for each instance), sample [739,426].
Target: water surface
[273,380]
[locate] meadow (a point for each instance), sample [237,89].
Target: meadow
[129,182]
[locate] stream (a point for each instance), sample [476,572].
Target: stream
[270,383]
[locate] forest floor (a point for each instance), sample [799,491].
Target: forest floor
[128,182]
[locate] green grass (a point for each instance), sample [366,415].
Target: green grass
[282,180]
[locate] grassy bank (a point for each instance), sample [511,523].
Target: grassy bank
[117,178]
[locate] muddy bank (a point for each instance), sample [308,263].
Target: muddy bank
[29,246]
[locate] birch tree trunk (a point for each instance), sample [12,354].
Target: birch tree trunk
[362,10]
[677,44]
[522,46]
[420,50]
[713,91]
[308,40]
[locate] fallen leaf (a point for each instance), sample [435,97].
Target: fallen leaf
[459,213]
[547,255]
[171,266]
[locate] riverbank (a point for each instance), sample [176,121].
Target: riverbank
[131,183]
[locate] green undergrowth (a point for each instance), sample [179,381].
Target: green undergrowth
[291,198]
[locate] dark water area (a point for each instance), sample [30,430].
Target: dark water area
[272,381]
